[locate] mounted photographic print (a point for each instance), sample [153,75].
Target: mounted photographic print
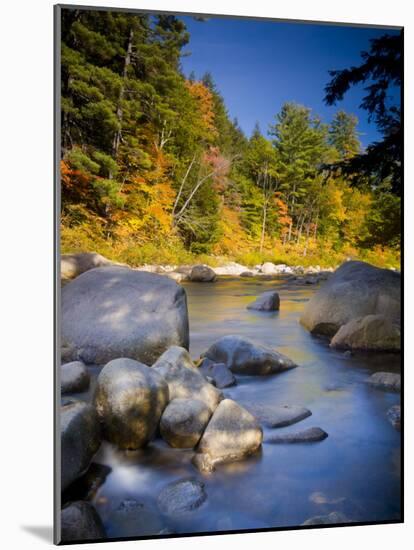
[228,274]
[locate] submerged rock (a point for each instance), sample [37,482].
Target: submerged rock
[115,312]
[74,377]
[332,518]
[183,378]
[310,435]
[268,301]
[244,357]
[130,398]
[202,274]
[369,333]
[278,416]
[220,375]
[73,265]
[232,434]
[183,422]
[181,497]
[80,439]
[133,518]
[81,522]
[394,416]
[386,381]
[356,289]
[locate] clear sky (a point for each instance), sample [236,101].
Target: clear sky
[258,65]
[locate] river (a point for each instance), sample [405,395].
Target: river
[355,471]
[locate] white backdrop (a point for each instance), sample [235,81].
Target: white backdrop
[26,180]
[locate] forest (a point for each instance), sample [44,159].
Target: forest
[154,170]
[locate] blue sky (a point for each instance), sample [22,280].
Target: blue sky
[258,65]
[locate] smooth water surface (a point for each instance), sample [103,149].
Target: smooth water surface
[354,471]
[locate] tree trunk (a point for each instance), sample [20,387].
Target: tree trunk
[263,227]
[119,114]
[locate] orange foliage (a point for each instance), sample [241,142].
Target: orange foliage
[204,98]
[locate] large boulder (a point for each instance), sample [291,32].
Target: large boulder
[268,301]
[183,422]
[129,399]
[244,357]
[183,378]
[202,274]
[80,523]
[80,439]
[73,265]
[120,312]
[356,289]
[232,434]
[74,377]
[369,333]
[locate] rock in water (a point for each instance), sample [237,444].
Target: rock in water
[181,496]
[80,522]
[232,434]
[370,333]
[268,301]
[311,435]
[132,518]
[386,381]
[356,289]
[244,357]
[80,439]
[332,518]
[202,274]
[116,312]
[221,376]
[129,399]
[183,422]
[394,416]
[278,416]
[74,377]
[183,378]
[73,265]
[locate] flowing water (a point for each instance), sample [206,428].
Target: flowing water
[356,470]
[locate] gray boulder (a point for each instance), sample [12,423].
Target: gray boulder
[394,416]
[73,265]
[356,289]
[80,439]
[310,435]
[129,399]
[80,522]
[386,381]
[369,333]
[74,377]
[220,375]
[332,518]
[247,274]
[181,497]
[120,312]
[244,357]
[202,274]
[232,434]
[278,416]
[184,379]
[183,422]
[268,301]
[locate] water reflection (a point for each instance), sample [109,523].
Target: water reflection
[354,471]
